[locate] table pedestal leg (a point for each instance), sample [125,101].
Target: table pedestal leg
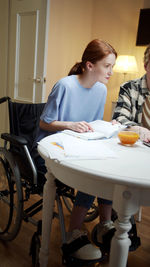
[49,194]
[120,243]
[126,206]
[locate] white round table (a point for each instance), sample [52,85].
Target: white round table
[125,180]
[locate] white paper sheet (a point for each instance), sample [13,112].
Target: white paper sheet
[61,146]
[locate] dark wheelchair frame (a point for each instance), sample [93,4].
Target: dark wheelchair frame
[20,178]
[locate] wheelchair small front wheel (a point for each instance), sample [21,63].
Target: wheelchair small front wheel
[11,198]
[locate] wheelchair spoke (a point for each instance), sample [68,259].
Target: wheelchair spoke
[4,198]
[10,204]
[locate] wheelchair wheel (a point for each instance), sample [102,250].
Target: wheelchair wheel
[92,212]
[11,198]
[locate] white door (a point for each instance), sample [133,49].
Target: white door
[28,37]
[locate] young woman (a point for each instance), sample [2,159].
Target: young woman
[75,101]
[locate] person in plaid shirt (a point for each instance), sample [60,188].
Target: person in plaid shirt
[133,105]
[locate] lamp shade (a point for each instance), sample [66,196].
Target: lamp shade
[125,64]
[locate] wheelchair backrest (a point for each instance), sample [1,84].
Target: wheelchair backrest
[24,120]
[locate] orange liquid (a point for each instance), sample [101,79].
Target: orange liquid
[127,137]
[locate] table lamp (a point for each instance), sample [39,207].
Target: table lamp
[125,64]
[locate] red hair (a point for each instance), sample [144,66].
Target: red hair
[95,51]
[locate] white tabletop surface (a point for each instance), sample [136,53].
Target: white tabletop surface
[131,165]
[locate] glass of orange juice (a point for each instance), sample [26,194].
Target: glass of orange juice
[128,137]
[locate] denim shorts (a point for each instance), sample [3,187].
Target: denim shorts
[85,200]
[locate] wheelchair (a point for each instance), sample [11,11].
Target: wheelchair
[20,178]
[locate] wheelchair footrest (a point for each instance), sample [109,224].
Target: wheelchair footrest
[105,246]
[135,243]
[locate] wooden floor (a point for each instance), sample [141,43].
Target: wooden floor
[16,252]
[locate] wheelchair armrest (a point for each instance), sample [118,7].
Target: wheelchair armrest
[4,99]
[14,139]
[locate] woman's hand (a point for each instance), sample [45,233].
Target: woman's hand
[81,126]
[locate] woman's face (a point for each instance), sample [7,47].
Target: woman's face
[103,69]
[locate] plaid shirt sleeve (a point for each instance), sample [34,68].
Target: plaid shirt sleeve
[125,111]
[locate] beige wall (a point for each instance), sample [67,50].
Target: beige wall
[69,32]
[3,60]
[3,45]
[74,23]
[116,22]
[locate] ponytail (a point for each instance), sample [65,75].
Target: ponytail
[96,50]
[76,69]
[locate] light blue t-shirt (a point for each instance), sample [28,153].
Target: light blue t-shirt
[70,101]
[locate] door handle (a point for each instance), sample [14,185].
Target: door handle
[39,80]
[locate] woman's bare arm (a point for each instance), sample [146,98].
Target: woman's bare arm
[55,126]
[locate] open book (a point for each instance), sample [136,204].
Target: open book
[102,129]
